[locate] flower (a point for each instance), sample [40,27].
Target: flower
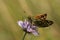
[25,25]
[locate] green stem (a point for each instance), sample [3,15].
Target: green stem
[24,35]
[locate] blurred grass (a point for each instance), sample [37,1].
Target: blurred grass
[13,10]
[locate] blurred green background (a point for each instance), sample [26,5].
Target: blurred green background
[13,10]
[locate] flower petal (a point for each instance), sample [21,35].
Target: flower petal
[20,23]
[35,33]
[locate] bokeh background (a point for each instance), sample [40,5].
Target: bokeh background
[13,10]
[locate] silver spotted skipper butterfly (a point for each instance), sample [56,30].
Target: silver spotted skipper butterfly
[40,20]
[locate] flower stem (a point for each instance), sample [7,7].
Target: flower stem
[24,35]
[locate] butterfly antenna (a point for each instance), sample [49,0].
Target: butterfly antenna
[24,35]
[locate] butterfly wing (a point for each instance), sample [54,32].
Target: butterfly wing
[46,23]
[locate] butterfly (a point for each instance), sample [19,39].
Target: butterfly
[41,21]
